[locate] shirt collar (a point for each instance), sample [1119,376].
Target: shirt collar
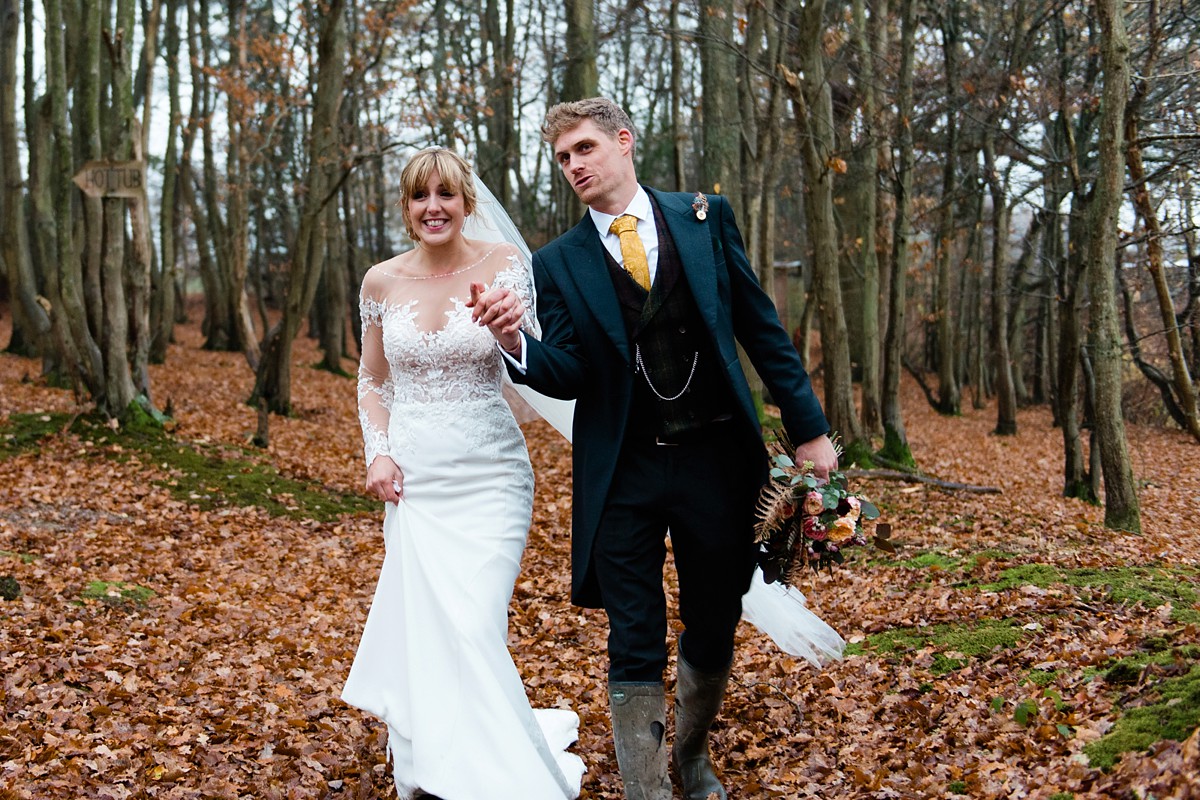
[639,207]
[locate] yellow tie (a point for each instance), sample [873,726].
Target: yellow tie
[632,251]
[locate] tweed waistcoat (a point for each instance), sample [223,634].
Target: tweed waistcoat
[666,327]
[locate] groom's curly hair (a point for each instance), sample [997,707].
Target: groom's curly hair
[608,116]
[452,168]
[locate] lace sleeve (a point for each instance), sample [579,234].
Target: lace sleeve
[374,380]
[519,279]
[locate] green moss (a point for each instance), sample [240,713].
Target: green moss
[23,432]
[1170,711]
[1025,575]
[929,561]
[957,787]
[203,475]
[896,451]
[26,558]
[1129,669]
[944,665]
[1041,677]
[1151,586]
[10,589]
[1186,616]
[955,642]
[209,477]
[1062,796]
[982,639]
[117,593]
[859,453]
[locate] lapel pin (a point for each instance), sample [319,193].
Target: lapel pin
[700,206]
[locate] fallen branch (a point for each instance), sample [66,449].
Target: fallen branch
[912,477]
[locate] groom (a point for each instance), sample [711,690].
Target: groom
[641,305]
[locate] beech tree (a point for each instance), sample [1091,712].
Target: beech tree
[1104,336]
[273,378]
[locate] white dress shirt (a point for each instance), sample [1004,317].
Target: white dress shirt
[639,207]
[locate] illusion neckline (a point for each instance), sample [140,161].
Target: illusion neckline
[458,271]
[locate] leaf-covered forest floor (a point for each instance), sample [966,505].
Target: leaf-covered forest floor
[186,611]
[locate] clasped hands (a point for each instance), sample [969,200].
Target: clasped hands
[501,310]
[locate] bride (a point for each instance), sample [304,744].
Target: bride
[448,458]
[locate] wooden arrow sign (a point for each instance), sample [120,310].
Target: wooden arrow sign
[112,178]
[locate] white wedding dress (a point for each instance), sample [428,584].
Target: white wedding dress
[433,662]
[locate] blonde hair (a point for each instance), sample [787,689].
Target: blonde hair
[452,168]
[608,116]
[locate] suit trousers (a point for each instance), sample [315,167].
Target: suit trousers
[702,491]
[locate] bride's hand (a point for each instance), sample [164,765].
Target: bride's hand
[385,480]
[501,310]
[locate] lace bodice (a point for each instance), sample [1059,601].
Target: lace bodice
[424,359]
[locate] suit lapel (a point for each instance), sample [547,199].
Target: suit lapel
[583,261]
[694,244]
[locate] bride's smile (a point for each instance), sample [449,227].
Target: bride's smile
[438,211]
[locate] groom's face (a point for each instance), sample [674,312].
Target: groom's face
[598,165]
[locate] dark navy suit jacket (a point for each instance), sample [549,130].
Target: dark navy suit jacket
[585,354]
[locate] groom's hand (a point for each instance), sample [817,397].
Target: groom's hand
[501,310]
[821,453]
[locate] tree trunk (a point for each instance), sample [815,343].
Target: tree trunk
[498,154]
[273,381]
[720,123]
[78,351]
[813,102]
[31,323]
[866,223]
[679,132]
[1076,480]
[582,78]
[332,289]
[116,333]
[86,111]
[142,263]
[949,389]
[1181,379]
[895,439]
[1104,337]
[162,310]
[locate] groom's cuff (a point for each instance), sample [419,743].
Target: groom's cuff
[517,359]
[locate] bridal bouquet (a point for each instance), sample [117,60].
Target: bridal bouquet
[806,522]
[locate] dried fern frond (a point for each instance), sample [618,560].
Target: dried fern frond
[776,505]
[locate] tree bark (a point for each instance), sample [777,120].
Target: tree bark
[895,438]
[866,223]
[813,104]
[273,380]
[679,132]
[1001,357]
[949,388]
[720,124]
[582,78]
[1181,379]
[1104,338]
[31,323]
[162,309]
[78,351]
